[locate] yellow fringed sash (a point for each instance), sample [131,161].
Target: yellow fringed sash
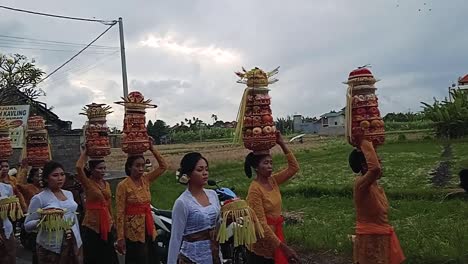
[349,115]
[10,208]
[240,117]
[246,226]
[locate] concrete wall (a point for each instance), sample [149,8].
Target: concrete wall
[65,149]
[305,127]
[339,120]
[332,131]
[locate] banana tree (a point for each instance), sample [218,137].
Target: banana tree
[450,117]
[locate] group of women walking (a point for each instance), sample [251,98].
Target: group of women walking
[196,212]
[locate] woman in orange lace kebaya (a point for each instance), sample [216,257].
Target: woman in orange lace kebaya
[98,240]
[29,184]
[376,241]
[264,198]
[135,228]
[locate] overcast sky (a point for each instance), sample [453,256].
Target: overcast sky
[183,54]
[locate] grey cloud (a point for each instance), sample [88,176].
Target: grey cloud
[317,43]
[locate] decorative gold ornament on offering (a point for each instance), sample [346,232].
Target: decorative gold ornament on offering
[97,131]
[135,139]
[362,112]
[37,142]
[254,119]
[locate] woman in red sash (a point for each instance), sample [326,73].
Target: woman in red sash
[264,198]
[376,241]
[135,228]
[98,241]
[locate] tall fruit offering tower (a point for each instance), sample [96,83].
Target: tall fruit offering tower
[37,142]
[5,141]
[255,122]
[135,139]
[97,131]
[362,108]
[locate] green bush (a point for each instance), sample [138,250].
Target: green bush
[413,125]
[202,135]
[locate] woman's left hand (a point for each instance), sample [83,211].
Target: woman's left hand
[151,142]
[279,138]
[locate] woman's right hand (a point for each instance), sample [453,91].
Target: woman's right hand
[290,254]
[121,246]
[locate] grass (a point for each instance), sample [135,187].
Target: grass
[430,230]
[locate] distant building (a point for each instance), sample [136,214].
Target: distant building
[308,126]
[333,123]
[463,83]
[329,124]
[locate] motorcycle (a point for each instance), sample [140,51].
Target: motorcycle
[163,223]
[230,253]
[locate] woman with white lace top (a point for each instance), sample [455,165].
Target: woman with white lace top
[7,238]
[57,246]
[195,216]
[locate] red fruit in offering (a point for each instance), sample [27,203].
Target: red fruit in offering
[267,119]
[361,111]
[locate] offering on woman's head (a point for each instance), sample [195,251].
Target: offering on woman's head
[255,120]
[362,112]
[37,142]
[97,132]
[135,139]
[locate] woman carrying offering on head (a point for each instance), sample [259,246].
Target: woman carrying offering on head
[135,228]
[97,223]
[29,184]
[53,213]
[195,216]
[376,241]
[264,198]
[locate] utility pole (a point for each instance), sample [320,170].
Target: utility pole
[122,57]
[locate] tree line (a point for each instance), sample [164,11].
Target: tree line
[449,118]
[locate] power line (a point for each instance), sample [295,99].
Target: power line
[80,70]
[105,22]
[51,42]
[74,56]
[44,49]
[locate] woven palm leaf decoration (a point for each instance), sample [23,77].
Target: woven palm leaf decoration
[246,226]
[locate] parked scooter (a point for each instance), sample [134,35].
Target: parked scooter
[231,254]
[163,223]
